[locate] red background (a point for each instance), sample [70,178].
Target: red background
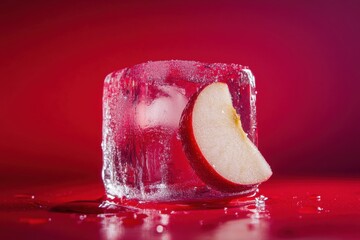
[55,55]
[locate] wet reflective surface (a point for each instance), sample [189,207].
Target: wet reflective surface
[302,208]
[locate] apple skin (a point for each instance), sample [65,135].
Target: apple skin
[196,159]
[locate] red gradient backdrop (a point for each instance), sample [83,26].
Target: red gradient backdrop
[55,55]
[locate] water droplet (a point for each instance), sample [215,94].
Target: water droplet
[315,197]
[260,201]
[24,196]
[82,217]
[310,209]
[159,229]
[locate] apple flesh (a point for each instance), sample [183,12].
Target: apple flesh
[216,145]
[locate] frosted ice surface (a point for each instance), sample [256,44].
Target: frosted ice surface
[142,105]
[163,111]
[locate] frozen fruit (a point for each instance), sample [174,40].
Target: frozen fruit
[142,105]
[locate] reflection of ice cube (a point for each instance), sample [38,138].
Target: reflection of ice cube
[162,111]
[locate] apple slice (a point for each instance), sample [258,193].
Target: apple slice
[215,144]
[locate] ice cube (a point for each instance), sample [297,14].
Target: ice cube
[143,156]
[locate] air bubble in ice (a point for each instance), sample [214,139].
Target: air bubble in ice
[159,229]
